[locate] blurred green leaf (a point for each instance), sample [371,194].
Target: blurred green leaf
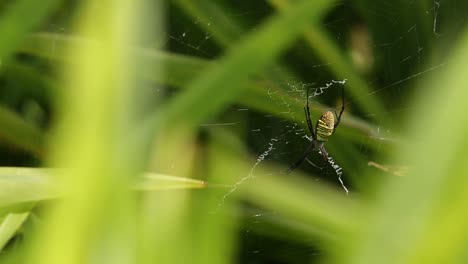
[18,19]
[19,185]
[10,226]
[328,51]
[19,133]
[154,182]
[226,30]
[421,218]
[313,208]
[329,212]
[417,218]
[180,70]
[223,82]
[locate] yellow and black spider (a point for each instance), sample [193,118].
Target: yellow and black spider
[324,128]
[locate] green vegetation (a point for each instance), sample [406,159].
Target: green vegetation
[143,132]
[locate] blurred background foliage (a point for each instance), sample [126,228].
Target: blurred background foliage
[160,131]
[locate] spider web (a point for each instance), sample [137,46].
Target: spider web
[269,140]
[390,61]
[401,55]
[274,137]
[290,131]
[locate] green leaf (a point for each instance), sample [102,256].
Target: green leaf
[10,226]
[17,20]
[19,133]
[224,82]
[180,70]
[155,181]
[421,218]
[328,51]
[19,184]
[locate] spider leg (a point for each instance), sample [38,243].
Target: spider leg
[307,114]
[313,164]
[312,146]
[338,117]
[324,153]
[308,150]
[309,123]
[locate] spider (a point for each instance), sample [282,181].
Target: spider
[324,128]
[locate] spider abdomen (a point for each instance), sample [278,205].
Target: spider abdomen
[325,126]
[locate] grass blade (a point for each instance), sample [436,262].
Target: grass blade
[17,20]
[10,226]
[19,185]
[224,82]
[329,53]
[425,212]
